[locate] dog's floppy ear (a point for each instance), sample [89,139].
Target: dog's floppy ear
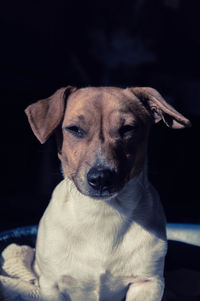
[159,108]
[45,115]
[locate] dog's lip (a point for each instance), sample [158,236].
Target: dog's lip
[100,196]
[103,196]
[105,193]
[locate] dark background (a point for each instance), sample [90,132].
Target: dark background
[49,44]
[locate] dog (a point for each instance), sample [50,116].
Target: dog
[102,236]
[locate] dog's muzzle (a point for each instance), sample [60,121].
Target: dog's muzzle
[102,180]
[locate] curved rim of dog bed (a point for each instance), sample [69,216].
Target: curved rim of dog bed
[187,233]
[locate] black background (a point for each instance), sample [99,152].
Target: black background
[49,44]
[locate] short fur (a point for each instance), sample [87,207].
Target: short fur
[106,244]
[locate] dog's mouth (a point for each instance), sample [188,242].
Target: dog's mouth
[102,193]
[105,195]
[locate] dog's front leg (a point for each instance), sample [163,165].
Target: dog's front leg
[150,290]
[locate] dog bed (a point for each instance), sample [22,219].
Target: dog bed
[18,281]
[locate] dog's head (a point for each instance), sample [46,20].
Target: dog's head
[103,132]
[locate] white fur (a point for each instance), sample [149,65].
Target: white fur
[102,250]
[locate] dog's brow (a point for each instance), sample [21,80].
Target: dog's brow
[79,118]
[123,114]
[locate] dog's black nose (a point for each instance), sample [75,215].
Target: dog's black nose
[100,179]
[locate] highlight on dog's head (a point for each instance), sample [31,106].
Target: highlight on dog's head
[104,132]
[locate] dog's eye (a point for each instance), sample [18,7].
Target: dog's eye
[75,130]
[127,130]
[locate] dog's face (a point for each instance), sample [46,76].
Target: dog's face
[104,133]
[104,139]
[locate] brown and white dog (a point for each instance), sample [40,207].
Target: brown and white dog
[102,237]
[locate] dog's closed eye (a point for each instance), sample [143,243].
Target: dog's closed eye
[127,130]
[75,130]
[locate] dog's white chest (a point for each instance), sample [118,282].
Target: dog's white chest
[94,274]
[94,268]
[87,265]
[92,251]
